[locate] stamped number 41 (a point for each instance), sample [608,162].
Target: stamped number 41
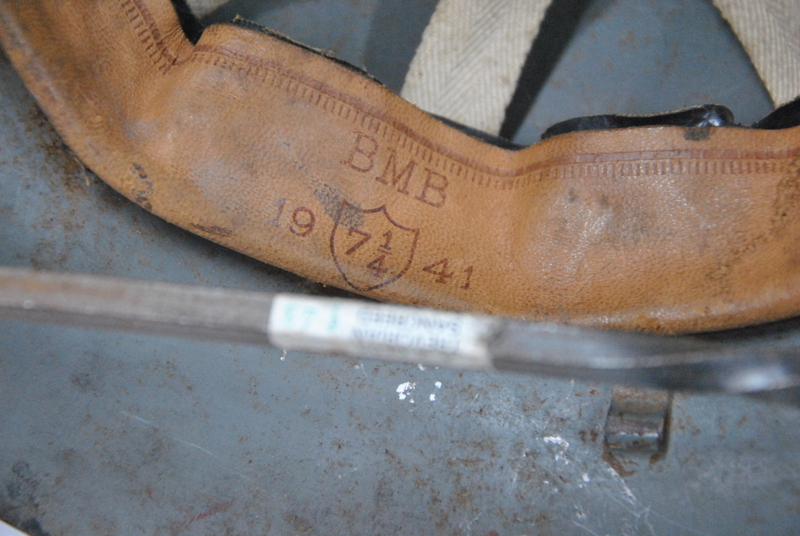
[441,269]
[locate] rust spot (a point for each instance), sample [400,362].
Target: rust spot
[615,464]
[213,229]
[70,168]
[213,509]
[83,382]
[657,457]
[300,525]
[19,505]
[589,435]
[742,420]
[542,519]
[64,158]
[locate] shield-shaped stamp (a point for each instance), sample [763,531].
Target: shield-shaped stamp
[370,249]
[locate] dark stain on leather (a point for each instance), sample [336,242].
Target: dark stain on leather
[213,229]
[331,197]
[143,187]
[697,133]
[784,205]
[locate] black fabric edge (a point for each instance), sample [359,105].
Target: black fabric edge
[786,116]
[190,24]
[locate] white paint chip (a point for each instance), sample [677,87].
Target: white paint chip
[561,442]
[403,390]
[558,440]
[432,396]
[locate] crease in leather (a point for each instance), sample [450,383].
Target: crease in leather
[286,156]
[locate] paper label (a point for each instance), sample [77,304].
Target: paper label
[8,530]
[381,331]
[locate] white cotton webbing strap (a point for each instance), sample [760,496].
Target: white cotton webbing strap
[472,52]
[469,61]
[770,33]
[201,8]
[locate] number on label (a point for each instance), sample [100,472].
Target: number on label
[439,269]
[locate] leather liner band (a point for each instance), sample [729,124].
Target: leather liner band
[287,156]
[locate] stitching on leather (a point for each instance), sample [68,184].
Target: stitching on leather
[371,119]
[350,108]
[609,165]
[144,24]
[629,164]
[595,166]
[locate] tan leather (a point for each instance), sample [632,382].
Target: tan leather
[282,154]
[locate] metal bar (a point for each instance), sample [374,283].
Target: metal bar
[759,359]
[143,306]
[350,327]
